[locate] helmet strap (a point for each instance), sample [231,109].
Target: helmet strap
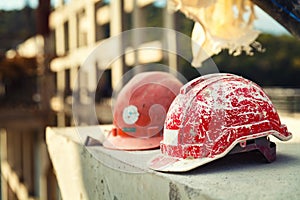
[263,145]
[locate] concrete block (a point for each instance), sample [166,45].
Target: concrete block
[96,173]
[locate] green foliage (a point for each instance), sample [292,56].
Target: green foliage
[15,27]
[278,65]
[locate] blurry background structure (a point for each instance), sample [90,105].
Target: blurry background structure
[42,48]
[82,25]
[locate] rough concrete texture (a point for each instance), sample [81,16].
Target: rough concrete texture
[97,173]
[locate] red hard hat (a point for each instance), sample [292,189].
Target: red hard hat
[140,110]
[210,116]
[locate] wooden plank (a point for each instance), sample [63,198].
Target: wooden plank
[3,157]
[52,186]
[14,149]
[27,161]
[44,165]
[4,189]
[23,119]
[11,194]
[17,188]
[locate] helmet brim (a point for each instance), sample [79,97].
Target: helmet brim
[132,143]
[166,163]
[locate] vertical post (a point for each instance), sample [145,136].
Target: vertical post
[42,165]
[170,39]
[43,12]
[60,75]
[60,40]
[3,158]
[73,31]
[43,30]
[27,161]
[91,40]
[91,20]
[116,10]
[74,78]
[137,23]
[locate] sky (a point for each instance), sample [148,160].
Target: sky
[264,23]
[16,4]
[19,4]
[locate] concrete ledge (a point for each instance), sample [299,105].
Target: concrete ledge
[97,173]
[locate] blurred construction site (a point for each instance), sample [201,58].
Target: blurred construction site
[38,71]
